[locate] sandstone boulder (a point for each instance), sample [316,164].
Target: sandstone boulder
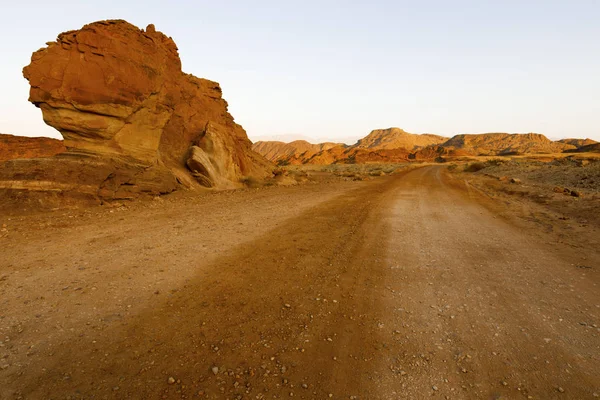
[117,94]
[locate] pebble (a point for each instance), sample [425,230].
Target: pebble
[215,370]
[561,389]
[287,305]
[171,380]
[434,387]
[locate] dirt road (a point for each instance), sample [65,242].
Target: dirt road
[408,286]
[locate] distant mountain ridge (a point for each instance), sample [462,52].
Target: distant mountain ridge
[395,138]
[12,147]
[588,148]
[275,150]
[397,145]
[505,143]
[578,142]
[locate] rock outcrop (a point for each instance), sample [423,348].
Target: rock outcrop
[118,96]
[505,143]
[12,147]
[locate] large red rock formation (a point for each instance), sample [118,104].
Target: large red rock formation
[12,147]
[118,95]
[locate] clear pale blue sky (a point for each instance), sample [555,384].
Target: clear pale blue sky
[337,69]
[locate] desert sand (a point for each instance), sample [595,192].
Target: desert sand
[413,285]
[153,254]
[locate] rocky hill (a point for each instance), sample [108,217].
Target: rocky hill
[396,145]
[12,147]
[380,145]
[578,142]
[295,152]
[589,148]
[132,121]
[396,138]
[505,143]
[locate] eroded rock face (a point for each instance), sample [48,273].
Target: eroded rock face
[117,94]
[105,87]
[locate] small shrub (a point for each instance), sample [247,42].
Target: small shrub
[249,181]
[280,171]
[495,162]
[474,167]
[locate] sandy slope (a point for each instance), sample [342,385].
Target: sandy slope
[409,286]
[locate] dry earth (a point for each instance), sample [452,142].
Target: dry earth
[565,188]
[414,285]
